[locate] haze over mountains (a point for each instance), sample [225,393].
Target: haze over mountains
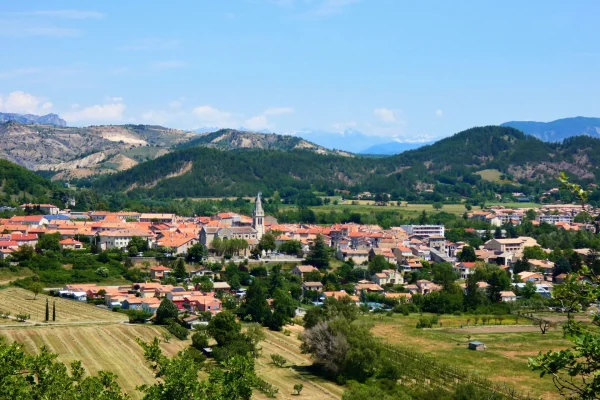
[48,119]
[559,130]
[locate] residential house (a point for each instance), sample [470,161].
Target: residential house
[424,230]
[358,256]
[70,244]
[314,286]
[340,294]
[203,303]
[464,269]
[300,270]
[367,286]
[159,272]
[157,218]
[534,277]
[388,276]
[507,296]
[423,287]
[44,208]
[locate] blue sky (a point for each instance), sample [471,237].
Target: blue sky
[405,69]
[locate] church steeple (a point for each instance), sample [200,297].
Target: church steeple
[258,217]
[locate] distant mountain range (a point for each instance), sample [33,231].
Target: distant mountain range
[392,148]
[559,130]
[48,119]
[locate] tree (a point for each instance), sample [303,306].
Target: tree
[278,360]
[291,247]
[284,309]
[528,290]
[199,340]
[139,243]
[438,205]
[196,253]
[36,288]
[47,318]
[378,264]
[298,388]
[41,376]
[443,273]
[499,281]
[224,328]
[255,303]
[498,233]
[49,242]
[179,271]
[544,325]
[166,312]
[319,254]
[535,253]
[467,254]
[53,311]
[267,242]
[561,266]
[521,265]
[474,296]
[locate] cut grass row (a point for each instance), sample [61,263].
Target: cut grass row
[17,300]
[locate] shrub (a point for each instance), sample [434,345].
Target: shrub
[138,316]
[199,340]
[22,317]
[278,360]
[266,388]
[178,331]
[298,388]
[196,355]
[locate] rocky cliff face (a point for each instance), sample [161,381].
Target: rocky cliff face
[89,151]
[48,119]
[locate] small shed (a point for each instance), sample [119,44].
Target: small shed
[477,346]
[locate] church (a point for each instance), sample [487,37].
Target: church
[237,229]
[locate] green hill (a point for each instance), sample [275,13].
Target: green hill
[447,168]
[18,184]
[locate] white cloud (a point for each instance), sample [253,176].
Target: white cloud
[112,112]
[116,99]
[155,44]
[64,14]
[24,103]
[172,64]
[278,110]
[439,113]
[257,122]
[385,114]
[210,116]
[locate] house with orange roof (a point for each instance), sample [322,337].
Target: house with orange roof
[49,209]
[29,220]
[203,303]
[402,297]
[367,286]
[464,269]
[180,243]
[159,272]
[70,244]
[300,270]
[120,238]
[340,294]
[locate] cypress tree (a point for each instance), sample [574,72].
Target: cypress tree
[47,311]
[54,311]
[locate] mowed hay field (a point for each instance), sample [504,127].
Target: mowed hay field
[17,300]
[105,347]
[504,361]
[405,209]
[294,372]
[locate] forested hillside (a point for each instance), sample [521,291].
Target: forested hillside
[18,184]
[442,171]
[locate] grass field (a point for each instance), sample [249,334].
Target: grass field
[108,347]
[7,276]
[504,360]
[406,209]
[16,300]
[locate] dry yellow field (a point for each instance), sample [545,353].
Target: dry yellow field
[16,300]
[107,347]
[294,371]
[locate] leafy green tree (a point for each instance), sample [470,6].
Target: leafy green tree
[499,281]
[291,247]
[474,296]
[438,205]
[521,265]
[24,376]
[36,288]
[535,253]
[575,372]
[528,291]
[561,266]
[196,253]
[319,254]
[224,328]
[180,271]
[166,312]
[378,264]
[267,242]
[443,274]
[139,243]
[284,309]
[467,254]
[255,303]
[49,242]
[298,388]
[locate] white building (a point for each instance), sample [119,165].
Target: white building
[424,230]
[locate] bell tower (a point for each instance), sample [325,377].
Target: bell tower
[258,217]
